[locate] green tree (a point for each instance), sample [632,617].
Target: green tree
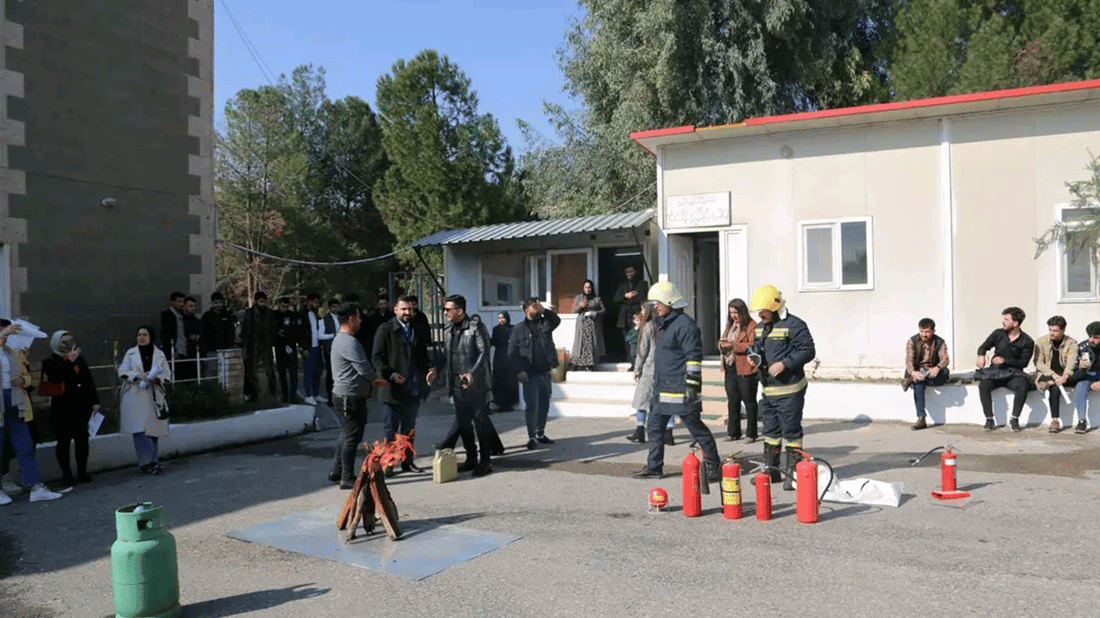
[259,171]
[449,166]
[1083,236]
[943,47]
[638,65]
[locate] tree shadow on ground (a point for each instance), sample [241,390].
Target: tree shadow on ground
[252,601]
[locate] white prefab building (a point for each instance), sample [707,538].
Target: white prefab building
[871,218]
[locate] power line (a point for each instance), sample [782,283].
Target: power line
[307,263]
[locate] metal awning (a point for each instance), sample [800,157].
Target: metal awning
[533,229]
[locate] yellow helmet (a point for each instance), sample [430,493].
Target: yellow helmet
[665,292]
[766,297]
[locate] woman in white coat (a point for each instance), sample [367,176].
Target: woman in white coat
[143,373]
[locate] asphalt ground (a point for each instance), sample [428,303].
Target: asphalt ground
[1024,543]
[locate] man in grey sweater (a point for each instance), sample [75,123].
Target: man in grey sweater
[353,376]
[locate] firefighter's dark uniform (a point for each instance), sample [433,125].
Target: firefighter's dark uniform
[677,383]
[786,340]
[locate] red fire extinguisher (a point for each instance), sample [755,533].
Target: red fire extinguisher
[693,501]
[731,489]
[807,498]
[763,482]
[948,465]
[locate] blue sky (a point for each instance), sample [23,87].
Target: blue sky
[506,47]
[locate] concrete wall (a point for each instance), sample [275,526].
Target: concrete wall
[114,99]
[994,179]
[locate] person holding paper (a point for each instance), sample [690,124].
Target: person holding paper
[17,412]
[143,372]
[73,399]
[1055,360]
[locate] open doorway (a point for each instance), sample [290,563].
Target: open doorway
[708,305]
[612,268]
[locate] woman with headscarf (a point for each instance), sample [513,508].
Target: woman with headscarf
[588,345]
[17,384]
[143,372]
[505,379]
[73,404]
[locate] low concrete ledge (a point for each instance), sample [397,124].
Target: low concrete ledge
[113,451]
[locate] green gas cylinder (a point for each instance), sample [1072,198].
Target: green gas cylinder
[143,564]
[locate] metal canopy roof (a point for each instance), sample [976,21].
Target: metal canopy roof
[533,229]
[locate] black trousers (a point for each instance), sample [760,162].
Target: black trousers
[741,389]
[326,366]
[287,366]
[655,426]
[488,429]
[468,424]
[353,418]
[71,426]
[252,364]
[1019,385]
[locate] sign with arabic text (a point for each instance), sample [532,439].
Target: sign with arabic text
[701,210]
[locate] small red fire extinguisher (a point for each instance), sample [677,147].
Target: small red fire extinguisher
[693,501]
[763,482]
[731,489]
[948,465]
[807,498]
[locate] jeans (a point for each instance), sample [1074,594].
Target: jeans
[15,429]
[640,418]
[919,387]
[1019,385]
[312,377]
[536,396]
[700,433]
[353,418]
[147,449]
[1081,394]
[741,389]
[399,418]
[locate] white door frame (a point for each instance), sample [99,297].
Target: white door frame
[734,250]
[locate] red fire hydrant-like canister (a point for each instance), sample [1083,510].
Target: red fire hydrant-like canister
[806,474]
[948,465]
[763,482]
[731,489]
[693,502]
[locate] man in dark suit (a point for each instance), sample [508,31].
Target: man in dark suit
[374,319]
[630,295]
[400,355]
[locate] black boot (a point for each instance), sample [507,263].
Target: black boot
[669,441]
[788,470]
[638,435]
[771,460]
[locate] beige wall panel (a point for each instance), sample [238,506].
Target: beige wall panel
[993,169]
[1064,139]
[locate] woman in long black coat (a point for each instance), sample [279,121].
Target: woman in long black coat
[505,379]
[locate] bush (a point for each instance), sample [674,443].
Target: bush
[198,401]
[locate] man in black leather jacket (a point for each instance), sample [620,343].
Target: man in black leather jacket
[464,367]
[531,352]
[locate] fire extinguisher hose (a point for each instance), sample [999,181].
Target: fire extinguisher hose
[832,475]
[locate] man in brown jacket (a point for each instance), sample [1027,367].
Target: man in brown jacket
[926,364]
[1055,361]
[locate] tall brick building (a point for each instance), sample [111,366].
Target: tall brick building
[106,163]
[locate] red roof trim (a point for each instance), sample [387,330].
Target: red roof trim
[882,107]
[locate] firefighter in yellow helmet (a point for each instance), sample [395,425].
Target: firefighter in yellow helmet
[677,381]
[784,346]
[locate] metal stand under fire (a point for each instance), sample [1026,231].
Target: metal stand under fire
[370,495]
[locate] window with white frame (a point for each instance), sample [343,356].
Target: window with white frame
[837,254]
[1078,268]
[506,278]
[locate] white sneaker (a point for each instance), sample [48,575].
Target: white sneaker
[311,400]
[4,499]
[10,487]
[41,492]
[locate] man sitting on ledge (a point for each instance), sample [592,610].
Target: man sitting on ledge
[926,363]
[1012,351]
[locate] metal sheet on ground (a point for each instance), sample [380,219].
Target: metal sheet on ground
[425,549]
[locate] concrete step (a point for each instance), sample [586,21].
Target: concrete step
[607,392]
[598,377]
